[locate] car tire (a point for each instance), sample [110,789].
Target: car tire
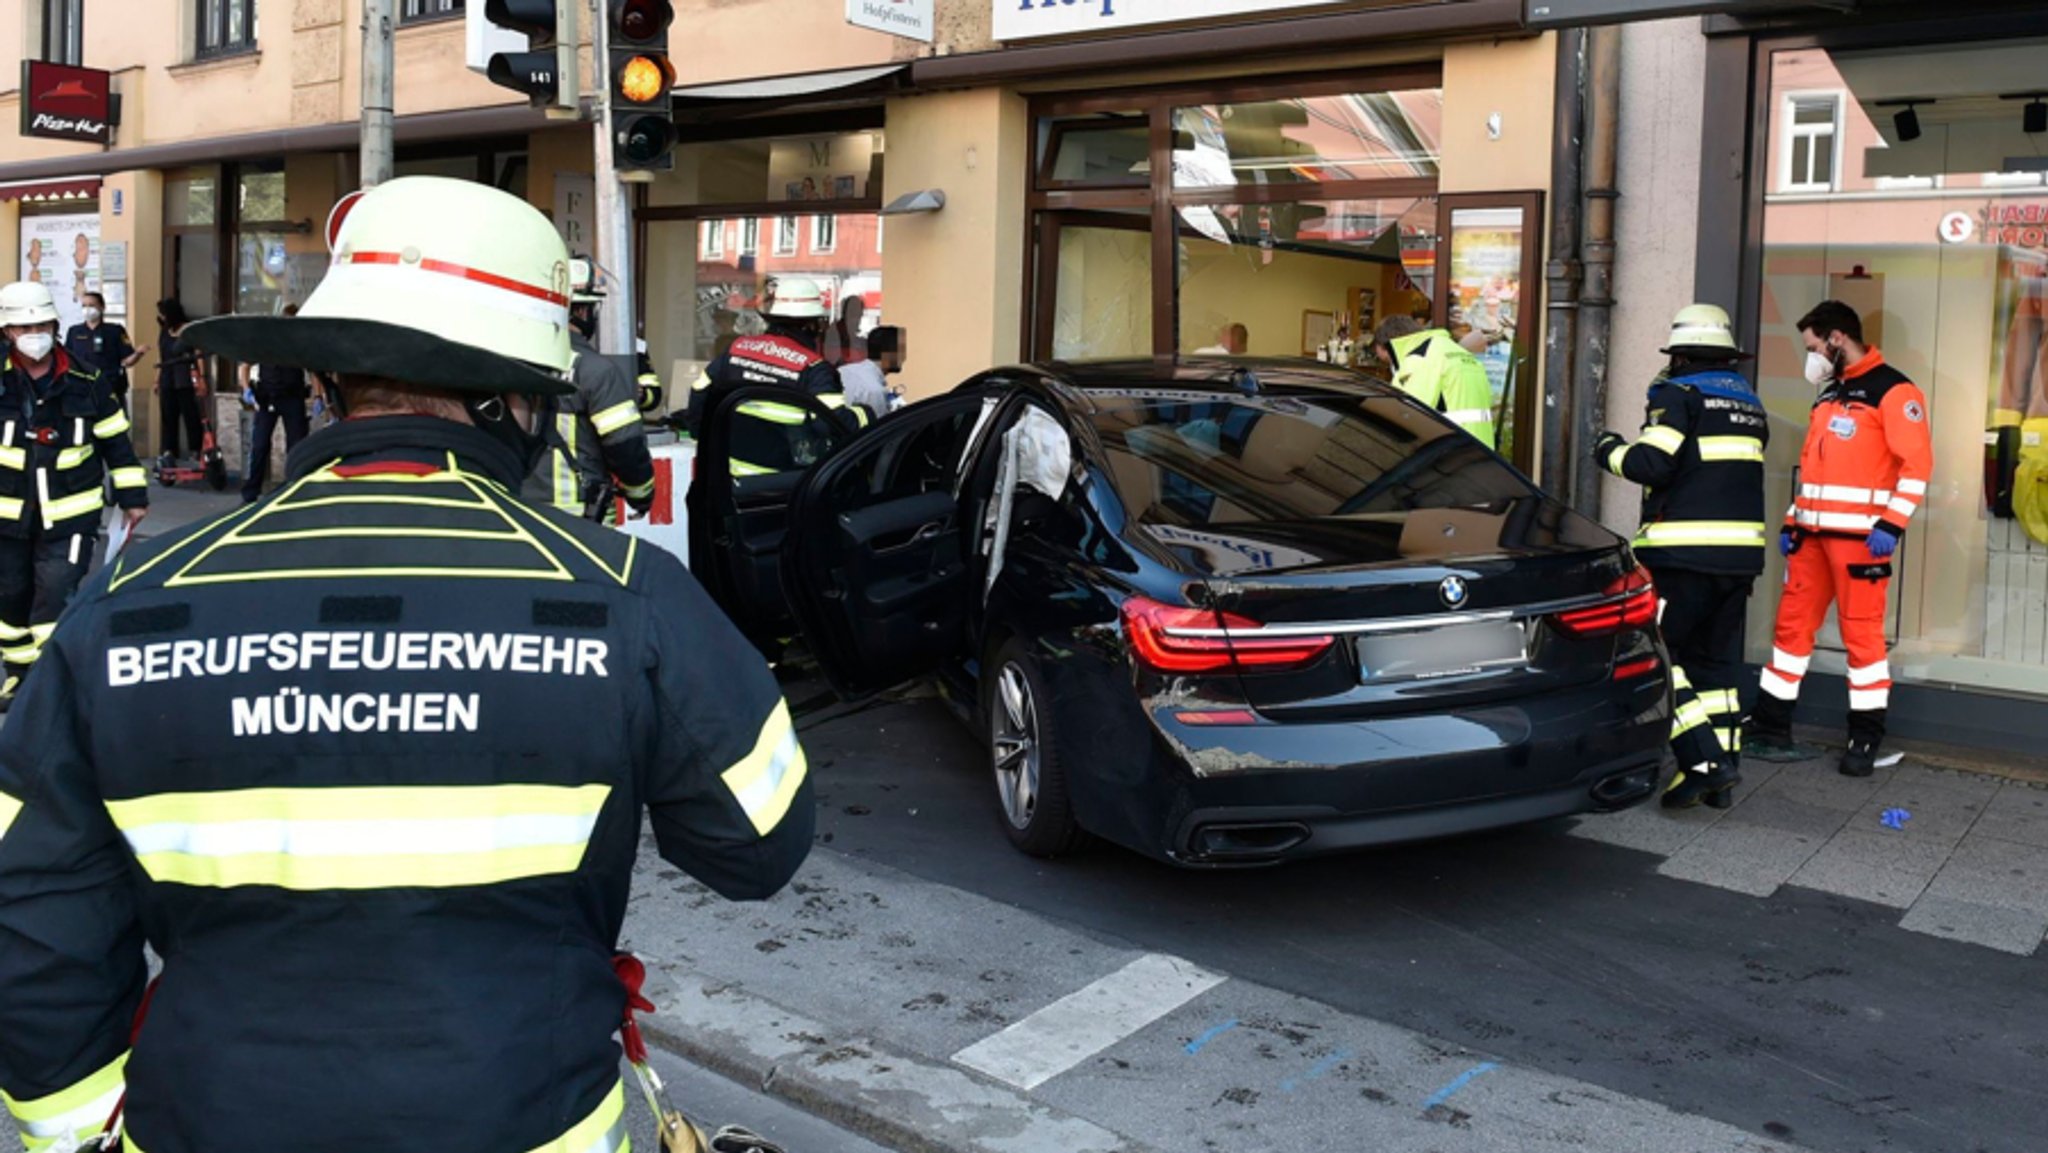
[1032,800]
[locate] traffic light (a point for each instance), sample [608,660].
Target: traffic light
[546,72]
[642,116]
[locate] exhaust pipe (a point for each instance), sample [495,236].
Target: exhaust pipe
[1248,841]
[1625,788]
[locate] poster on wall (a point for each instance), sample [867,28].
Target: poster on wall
[64,253]
[820,168]
[1485,288]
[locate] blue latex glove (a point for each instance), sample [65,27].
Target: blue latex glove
[1883,542]
[1789,540]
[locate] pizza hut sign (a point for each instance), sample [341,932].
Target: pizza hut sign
[65,103]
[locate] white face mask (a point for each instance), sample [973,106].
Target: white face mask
[92,316]
[1820,368]
[34,346]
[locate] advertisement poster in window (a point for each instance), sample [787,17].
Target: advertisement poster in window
[820,167]
[1485,289]
[64,253]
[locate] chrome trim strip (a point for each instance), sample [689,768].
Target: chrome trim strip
[1401,624]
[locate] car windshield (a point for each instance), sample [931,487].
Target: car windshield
[1197,458]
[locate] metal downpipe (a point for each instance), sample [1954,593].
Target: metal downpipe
[1596,298]
[1562,272]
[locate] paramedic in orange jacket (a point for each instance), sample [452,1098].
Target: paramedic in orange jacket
[1863,473]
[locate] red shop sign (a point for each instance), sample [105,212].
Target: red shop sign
[66,103]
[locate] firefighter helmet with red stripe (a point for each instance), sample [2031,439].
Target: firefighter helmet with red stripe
[433,281]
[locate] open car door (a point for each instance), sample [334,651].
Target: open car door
[753,448]
[877,563]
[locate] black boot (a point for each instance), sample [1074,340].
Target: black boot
[1713,784]
[1859,759]
[1767,733]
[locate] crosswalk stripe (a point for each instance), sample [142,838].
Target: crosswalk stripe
[1085,1022]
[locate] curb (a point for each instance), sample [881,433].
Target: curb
[889,1097]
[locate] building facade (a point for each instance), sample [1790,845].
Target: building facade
[1887,159]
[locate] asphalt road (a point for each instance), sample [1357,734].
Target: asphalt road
[1803,1016]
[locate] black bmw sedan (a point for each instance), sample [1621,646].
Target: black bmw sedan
[1220,612]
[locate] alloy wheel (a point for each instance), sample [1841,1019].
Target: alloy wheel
[1013,738]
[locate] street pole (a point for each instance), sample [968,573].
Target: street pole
[614,210]
[376,161]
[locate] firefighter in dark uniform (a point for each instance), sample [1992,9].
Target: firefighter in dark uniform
[598,444]
[102,346]
[768,437]
[63,434]
[368,759]
[280,394]
[1700,460]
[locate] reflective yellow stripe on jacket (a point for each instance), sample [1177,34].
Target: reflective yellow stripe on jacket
[604,1131]
[1702,532]
[766,779]
[361,838]
[9,809]
[114,425]
[75,456]
[72,1114]
[1731,448]
[615,418]
[77,504]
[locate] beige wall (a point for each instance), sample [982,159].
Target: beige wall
[954,278]
[1235,286]
[1516,80]
[1662,81]
[306,70]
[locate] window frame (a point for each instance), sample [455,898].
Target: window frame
[1789,130]
[750,236]
[711,240]
[443,10]
[223,14]
[782,223]
[824,236]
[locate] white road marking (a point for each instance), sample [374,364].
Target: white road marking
[1085,1022]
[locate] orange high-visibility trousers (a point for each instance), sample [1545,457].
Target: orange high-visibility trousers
[1839,571]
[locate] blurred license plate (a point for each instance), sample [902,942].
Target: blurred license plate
[1454,650]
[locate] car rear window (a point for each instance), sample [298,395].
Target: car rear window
[1202,459]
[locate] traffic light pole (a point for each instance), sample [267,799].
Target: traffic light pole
[614,214]
[376,156]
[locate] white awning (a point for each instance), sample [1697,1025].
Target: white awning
[784,87]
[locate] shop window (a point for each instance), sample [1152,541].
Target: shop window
[417,11]
[1319,139]
[1096,149]
[64,31]
[226,27]
[727,282]
[1303,278]
[1811,134]
[1102,287]
[1952,285]
[843,167]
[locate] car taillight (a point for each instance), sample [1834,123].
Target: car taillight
[1632,604]
[1176,639]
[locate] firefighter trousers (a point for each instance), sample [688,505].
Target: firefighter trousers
[38,574]
[1827,570]
[1702,619]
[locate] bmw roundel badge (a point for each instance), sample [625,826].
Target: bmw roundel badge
[1453,591]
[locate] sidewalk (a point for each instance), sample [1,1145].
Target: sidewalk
[1962,855]
[934,1020]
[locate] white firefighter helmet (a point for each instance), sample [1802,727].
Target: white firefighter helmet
[796,298]
[582,282]
[1702,328]
[26,302]
[437,282]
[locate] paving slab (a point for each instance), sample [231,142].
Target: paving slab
[1883,867]
[2019,813]
[1745,856]
[1941,806]
[2017,931]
